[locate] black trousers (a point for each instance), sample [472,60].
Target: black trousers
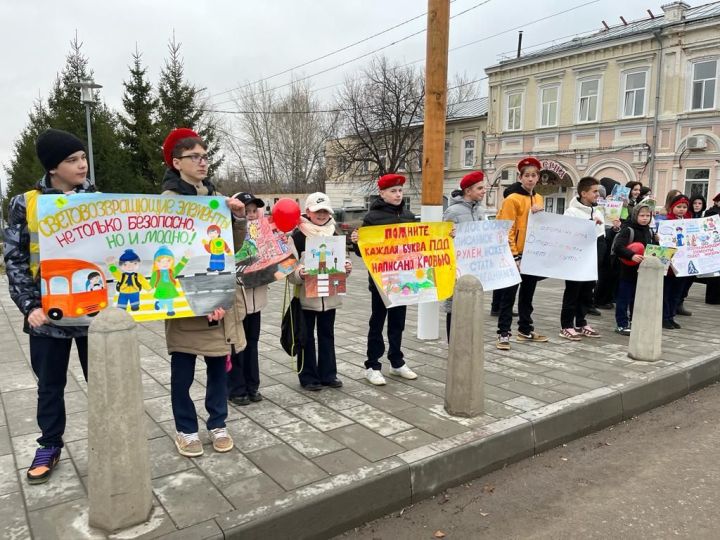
[673,290]
[577,298]
[182,373]
[244,377]
[395,326]
[525,307]
[50,358]
[317,367]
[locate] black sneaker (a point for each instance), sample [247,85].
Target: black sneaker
[675,325]
[609,305]
[255,397]
[337,383]
[623,330]
[46,458]
[240,400]
[594,311]
[668,325]
[312,387]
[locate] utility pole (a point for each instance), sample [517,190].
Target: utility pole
[436,61]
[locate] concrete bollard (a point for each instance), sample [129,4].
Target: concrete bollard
[119,486]
[465,380]
[646,334]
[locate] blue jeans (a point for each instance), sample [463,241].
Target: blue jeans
[182,372]
[132,298]
[217,262]
[624,300]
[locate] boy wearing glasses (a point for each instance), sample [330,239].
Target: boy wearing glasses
[214,337]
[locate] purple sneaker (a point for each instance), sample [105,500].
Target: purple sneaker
[42,466]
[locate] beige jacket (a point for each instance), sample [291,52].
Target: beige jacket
[255,299]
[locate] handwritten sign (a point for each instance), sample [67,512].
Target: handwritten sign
[561,247]
[158,257]
[611,209]
[482,250]
[264,256]
[411,263]
[325,266]
[697,242]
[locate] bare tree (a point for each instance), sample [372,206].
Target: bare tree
[380,119]
[462,88]
[282,137]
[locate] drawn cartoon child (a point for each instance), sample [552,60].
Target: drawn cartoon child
[321,253]
[217,248]
[94,282]
[128,282]
[679,236]
[164,280]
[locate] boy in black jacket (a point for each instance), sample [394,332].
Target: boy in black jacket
[636,230]
[386,210]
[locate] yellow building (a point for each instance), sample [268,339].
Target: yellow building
[639,101]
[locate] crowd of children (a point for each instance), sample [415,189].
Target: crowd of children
[228,338]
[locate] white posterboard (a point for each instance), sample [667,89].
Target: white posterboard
[482,250]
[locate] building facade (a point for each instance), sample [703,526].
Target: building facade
[640,101]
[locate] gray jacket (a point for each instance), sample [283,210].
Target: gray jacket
[459,210]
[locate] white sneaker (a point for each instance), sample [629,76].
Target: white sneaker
[188,444]
[374,376]
[404,372]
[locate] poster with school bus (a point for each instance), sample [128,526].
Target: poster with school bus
[156,257]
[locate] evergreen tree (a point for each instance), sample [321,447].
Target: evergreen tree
[140,133]
[180,104]
[25,169]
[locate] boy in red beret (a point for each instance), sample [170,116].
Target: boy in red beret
[386,210]
[517,206]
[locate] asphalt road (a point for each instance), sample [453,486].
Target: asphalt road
[655,476]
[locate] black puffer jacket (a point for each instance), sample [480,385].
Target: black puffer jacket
[382,213]
[24,289]
[173,182]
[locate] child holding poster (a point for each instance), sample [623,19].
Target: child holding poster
[316,368]
[244,376]
[386,210]
[63,158]
[516,207]
[466,206]
[578,295]
[674,286]
[637,229]
[214,337]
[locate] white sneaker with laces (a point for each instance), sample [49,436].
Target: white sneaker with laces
[404,371]
[221,439]
[374,376]
[188,444]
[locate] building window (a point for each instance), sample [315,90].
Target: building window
[469,153]
[703,85]
[508,177]
[514,112]
[696,181]
[549,109]
[447,153]
[634,100]
[588,104]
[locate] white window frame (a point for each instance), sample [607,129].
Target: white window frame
[541,106]
[691,79]
[447,154]
[465,163]
[519,115]
[578,100]
[625,90]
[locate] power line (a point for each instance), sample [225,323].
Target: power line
[365,55]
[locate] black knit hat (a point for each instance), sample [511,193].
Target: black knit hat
[54,145]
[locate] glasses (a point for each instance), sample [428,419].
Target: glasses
[197,158]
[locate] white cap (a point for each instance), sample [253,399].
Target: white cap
[318,201]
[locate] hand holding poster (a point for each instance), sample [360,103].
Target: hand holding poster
[611,210]
[411,263]
[265,256]
[561,247]
[482,250]
[146,253]
[697,242]
[325,266]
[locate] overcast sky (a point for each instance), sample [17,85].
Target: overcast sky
[228,42]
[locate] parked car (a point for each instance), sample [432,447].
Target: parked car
[348,219]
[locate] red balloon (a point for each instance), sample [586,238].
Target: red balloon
[636,247]
[286,214]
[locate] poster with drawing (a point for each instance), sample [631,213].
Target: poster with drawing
[697,242]
[264,256]
[665,254]
[410,263]
[155,256]
[325,266]
[611,209]
[620,193]
[482,250]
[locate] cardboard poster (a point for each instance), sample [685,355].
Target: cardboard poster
[265,255]
[665,254]
[325,266]
[482,250]
[561,247]
[697,242]
[411,263]
[155,256]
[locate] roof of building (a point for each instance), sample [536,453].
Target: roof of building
[623,31]
[471,108]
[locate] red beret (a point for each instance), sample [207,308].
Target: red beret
[175,136]
[529,162]
[471,179]
[390,180]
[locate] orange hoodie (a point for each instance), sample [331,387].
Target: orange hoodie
[516,208]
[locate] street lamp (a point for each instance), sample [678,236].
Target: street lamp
[87,86]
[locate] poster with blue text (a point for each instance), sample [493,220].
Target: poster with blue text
[482,250]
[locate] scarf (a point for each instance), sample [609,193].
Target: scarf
[308,228]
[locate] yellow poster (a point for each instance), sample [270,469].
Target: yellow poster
[411,263]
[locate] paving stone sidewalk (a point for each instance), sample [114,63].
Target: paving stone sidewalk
[312,464]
